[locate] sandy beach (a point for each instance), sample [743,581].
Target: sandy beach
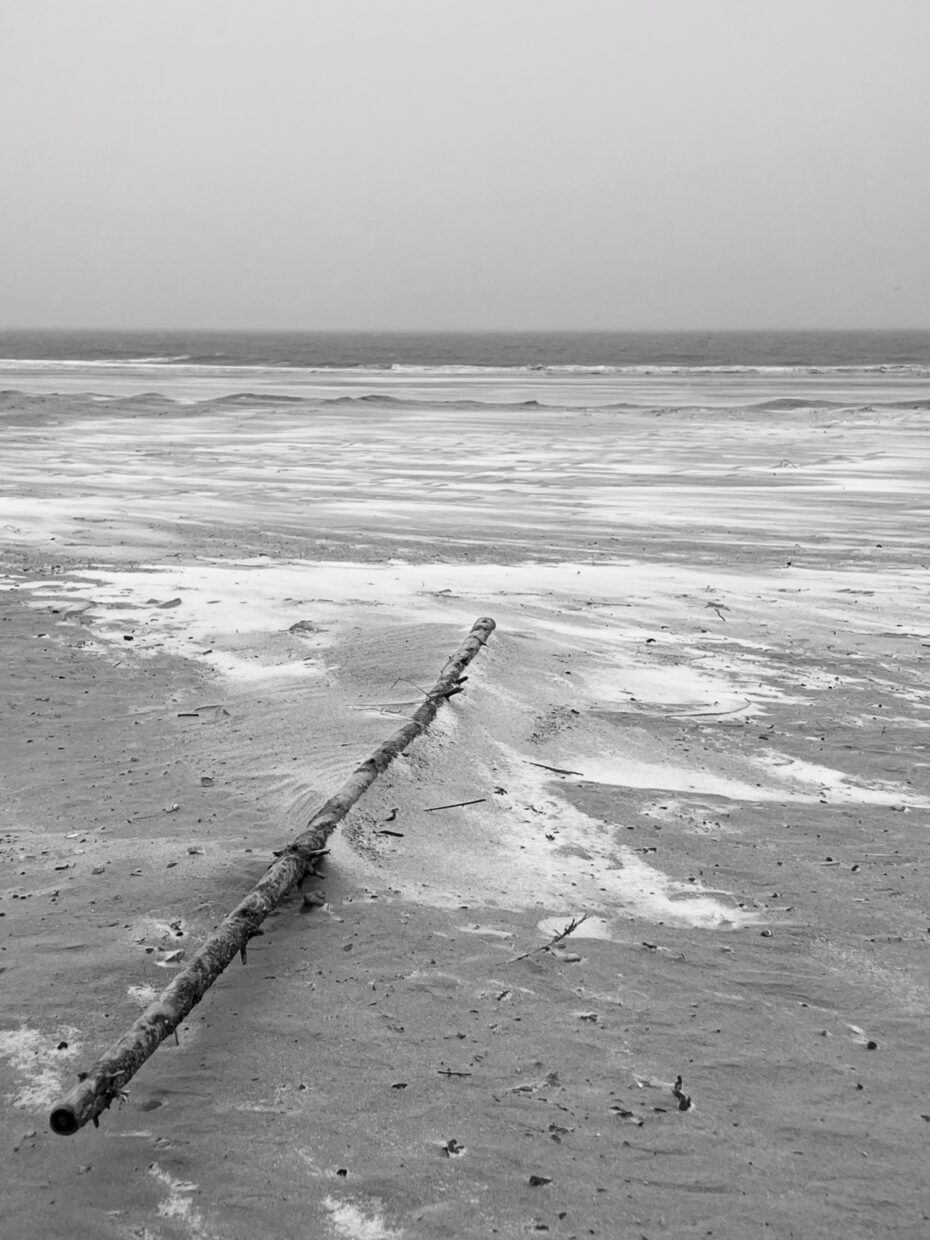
[701,725]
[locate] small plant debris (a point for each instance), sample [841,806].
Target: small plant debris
[625,1113]
[684,1100]
[556,938]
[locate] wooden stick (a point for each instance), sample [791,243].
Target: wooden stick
[106,1080]
[455,805]
[559,770]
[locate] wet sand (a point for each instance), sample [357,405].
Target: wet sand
[713,622]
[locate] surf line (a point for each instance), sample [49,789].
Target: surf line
[108,1077]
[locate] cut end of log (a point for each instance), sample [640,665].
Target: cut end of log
[64,1121]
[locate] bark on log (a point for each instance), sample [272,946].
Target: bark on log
[105,1081]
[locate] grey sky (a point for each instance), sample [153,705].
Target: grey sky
[465,163]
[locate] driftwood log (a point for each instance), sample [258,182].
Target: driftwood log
[108,1077]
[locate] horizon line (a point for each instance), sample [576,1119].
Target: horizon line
[464,331]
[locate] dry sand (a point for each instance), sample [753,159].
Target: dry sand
[713,622]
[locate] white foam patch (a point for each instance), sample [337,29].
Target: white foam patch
[786,780]
[178,1207]
[833,785]
[258,668]
[224,604]
[537,849]
[680,687]
[143,995]
[35,1059]
[612,875]
[350,1222]
[489,931]
[656,897]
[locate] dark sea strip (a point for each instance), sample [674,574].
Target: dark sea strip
[206,370]
[15,399]
[420,352]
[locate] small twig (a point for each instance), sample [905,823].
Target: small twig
[451,1072]
[710,714]
[402,680]
[455,805]
[556,938]
[435,695]
[557,769]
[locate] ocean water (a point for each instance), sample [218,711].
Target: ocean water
[758,372]
[591,352]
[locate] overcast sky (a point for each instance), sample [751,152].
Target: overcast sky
[465,163]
